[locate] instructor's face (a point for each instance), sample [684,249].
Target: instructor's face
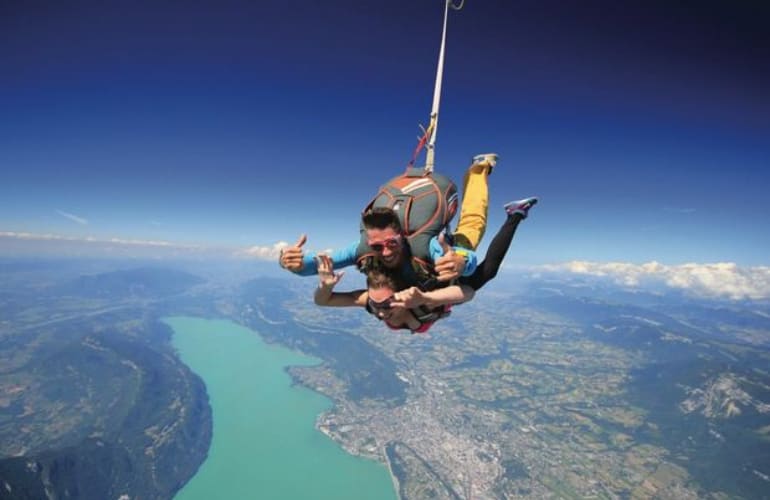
[388,245]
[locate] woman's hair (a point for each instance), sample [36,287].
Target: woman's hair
[381,218]
[383,278]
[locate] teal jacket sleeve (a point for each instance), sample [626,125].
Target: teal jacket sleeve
[471,261]
[342,257]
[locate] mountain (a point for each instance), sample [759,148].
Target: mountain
[143,282]
[94,402]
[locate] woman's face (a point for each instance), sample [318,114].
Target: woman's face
[379,301]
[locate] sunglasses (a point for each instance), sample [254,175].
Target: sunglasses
[383,305]
[390,243]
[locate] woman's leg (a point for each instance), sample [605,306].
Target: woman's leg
[517,211]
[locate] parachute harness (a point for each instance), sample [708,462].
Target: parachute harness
[429,134]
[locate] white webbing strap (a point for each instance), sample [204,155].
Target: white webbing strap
[433,125]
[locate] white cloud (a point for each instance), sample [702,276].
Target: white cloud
[722,279]
[73,217]
[92,239]
[150,243]
[263,252]
[268,252]
[16,243]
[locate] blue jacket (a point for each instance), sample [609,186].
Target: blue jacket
[346,256]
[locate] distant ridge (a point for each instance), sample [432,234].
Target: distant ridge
[145,282]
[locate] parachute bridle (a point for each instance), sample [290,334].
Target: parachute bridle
[428,139]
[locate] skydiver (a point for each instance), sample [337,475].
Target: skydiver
[410,307]
[385,238]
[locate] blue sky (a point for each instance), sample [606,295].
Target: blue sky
[643,126]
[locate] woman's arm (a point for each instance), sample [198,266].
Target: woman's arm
[414,297]
[327,279]
[326,297]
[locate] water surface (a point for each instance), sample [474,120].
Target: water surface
[265,444]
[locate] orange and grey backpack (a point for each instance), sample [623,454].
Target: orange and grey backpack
[425,203]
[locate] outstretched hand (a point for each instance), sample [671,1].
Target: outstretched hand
[327,278]
[292,257]
[450,265]
[409,298]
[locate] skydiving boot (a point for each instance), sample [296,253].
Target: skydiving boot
[484,161]
[520,207]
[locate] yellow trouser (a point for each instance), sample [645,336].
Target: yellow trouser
[474,209]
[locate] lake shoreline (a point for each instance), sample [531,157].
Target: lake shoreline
[277,417]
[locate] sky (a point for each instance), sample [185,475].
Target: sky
[642,126]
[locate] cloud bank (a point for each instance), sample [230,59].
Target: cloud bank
[725,280]
[718,280]
[15,244]
[90,239]
[269,252]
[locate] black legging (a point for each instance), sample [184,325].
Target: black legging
[495,254]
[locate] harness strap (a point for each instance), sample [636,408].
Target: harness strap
[426,315]
[427,132]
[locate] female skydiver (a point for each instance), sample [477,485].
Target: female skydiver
[411,308]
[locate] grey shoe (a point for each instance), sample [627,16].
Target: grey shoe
[520,207]
[486,160]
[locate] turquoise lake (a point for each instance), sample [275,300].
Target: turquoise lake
[265,444]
